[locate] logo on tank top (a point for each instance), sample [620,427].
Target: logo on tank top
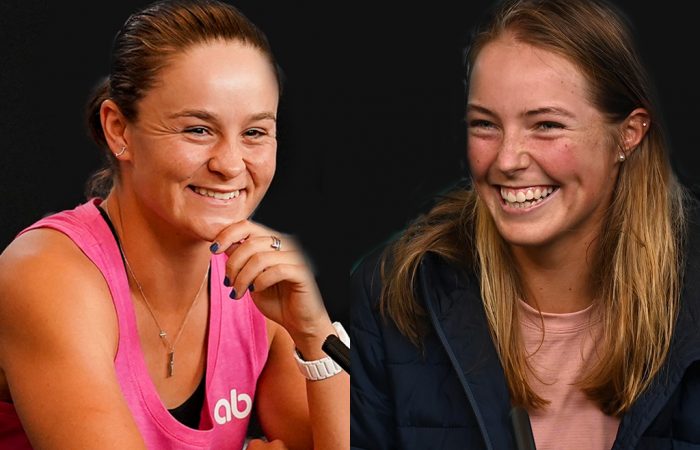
[238,407]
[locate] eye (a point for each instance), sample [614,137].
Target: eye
[546,126]
[198,131]
[258,135]
[480,123]
[254,133]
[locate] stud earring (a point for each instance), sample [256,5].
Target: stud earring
[644,124]
[621,157]
[120,152]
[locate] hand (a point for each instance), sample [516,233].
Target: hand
[259,444]
[280,282]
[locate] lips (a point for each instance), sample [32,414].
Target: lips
[221,195]
[524,197]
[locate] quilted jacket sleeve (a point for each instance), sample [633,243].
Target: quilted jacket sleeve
[371,415]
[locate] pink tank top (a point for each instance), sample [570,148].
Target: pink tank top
[571,421]
[237,350]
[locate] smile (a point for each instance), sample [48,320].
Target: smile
[526,197]
[216,194]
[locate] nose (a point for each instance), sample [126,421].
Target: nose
[512,155]
[227,159]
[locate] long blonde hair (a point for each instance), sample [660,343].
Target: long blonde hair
[637,270]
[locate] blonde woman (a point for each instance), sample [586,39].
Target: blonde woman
[559,281]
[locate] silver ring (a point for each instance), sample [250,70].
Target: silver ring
[276,243]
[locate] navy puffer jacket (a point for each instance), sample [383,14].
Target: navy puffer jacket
[453,395]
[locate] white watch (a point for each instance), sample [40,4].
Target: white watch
[323,368]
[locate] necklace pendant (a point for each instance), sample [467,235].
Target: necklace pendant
[171,363]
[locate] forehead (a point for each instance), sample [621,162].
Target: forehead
[516,71]
[219,58]
[214,73]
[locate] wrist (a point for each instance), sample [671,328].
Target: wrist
[309,343]
[315,369]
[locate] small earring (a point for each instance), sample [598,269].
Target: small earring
[120,152]
[621,157]
[644,124]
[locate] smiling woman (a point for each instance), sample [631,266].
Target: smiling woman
[532,128]
[140,354]
[202,153]
[561,281]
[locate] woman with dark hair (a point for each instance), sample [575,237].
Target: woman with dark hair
[156,314]
[554,282]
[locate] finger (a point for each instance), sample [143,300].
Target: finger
[239,256]
[231,235]
[253,243]
[237,233]
[243,277]
[294,273]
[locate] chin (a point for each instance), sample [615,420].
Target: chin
[524,236]
[208,230]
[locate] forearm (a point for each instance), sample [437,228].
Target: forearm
[329,412]
[329,402]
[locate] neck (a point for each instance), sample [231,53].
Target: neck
[557,280]
[168,267]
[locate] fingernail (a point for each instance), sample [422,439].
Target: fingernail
[227,282]
[214,247]
[251,287]
[232,294]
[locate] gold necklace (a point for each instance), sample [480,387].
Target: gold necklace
[162,333]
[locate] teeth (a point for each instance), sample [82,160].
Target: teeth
[217,195]
[527,197]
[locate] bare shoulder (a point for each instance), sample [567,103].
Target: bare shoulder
[58,338]
[48,286]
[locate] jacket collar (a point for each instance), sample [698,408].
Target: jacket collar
[457,315]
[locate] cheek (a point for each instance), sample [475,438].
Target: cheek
[183,166]
[479,156]
[261,165]
[169,157]
[560,163]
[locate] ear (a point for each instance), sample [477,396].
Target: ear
[633,129]
[114,126]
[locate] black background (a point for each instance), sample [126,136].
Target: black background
[370,125]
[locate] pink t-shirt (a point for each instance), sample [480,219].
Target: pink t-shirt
[571,421]
[237,350]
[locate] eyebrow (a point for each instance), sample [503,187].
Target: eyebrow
[533,112]
[481,109]
[206,115]
[549,110]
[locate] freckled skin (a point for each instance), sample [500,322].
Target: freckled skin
[508,147]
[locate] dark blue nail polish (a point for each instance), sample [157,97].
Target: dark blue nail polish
[251,287]
[232,294]
[227,282]
[214,247]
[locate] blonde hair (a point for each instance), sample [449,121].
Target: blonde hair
[637,269]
